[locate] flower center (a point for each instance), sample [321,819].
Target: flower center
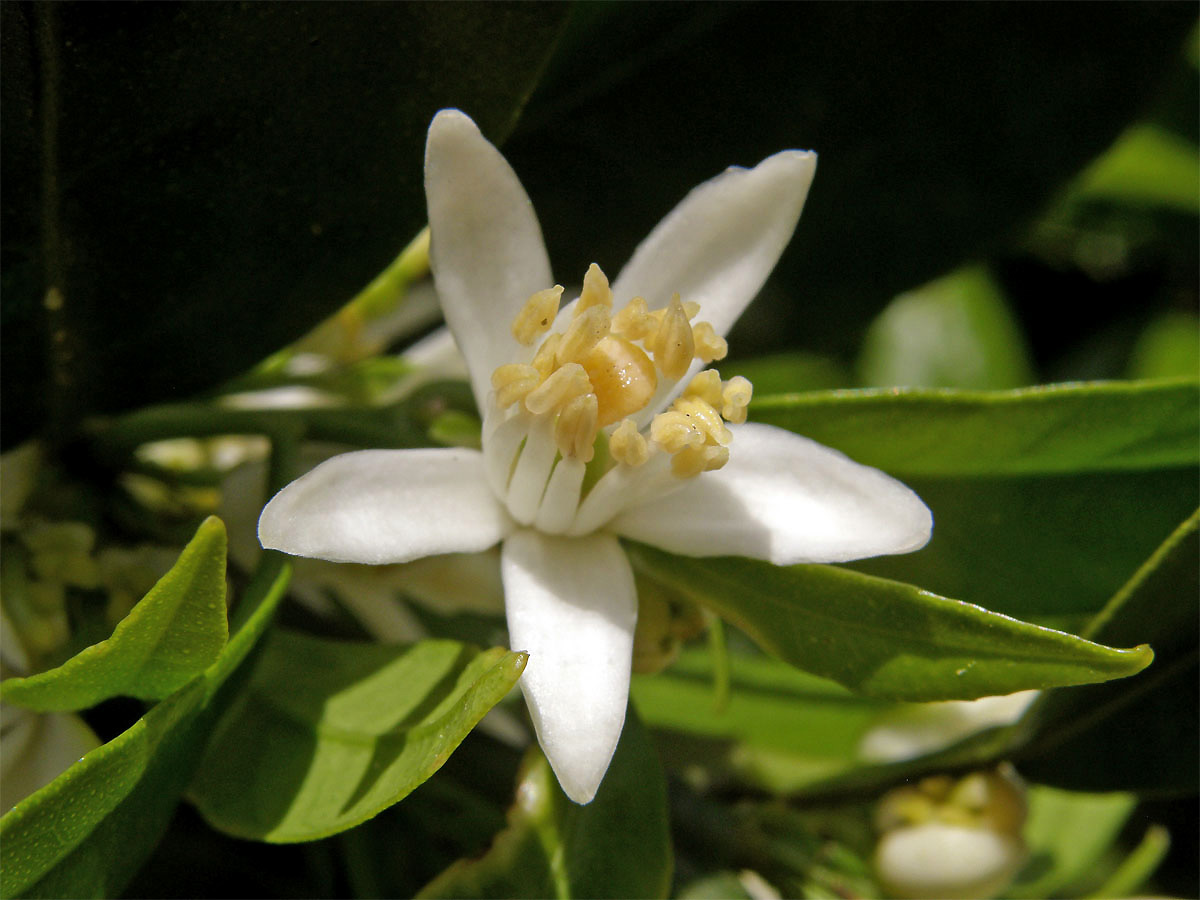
[548,415]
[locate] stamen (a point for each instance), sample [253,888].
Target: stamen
[561,499]
[710,346]
[532,472]
[596,291]
[627,445]
[559,389]
[736,397]
[706,419]
[634,322]
[513,383]
[575,430]
[673,345]
[707,386]
[537,315]
[691,461]
[584,332]
[674,431]
[544,359]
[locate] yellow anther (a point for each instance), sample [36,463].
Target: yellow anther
[710,346]
[707,386]
[735,398]
[513,383]
[693,460]
[563,386]
[692,308]
[537,315]
[596,291]
[545,360]
[584,333]
[627,445]
[622,377]
[634,322]
[704,417]
[673,431]
[673,345]
[575,430]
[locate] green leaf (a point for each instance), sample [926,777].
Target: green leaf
[1169,347]
[87,832]
[886,639]
[173,634]
[616,846]
[955,332]
[1149,166]
[192,223]
[1141,735]
[1067,834]
[328,734]
[1067,428]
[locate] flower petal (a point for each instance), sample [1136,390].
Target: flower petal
[718,246]
[572,605]
[486,248]
[785,499]
[386,506]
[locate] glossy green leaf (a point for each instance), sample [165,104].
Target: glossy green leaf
[886,639]
[173,634]
[86,833]
[1067,834]
[203,184]
[616,846]
[1066,428]
[955,332]
[1141,735]
[330,733]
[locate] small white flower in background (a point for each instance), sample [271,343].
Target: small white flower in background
[952,838]
[597,425]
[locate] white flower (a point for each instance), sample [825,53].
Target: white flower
[579,445]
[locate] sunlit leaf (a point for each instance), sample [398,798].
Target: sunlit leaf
[330,733]
[173,633]
[883,638]
[1067,428]
[955,332]
[87,832]
[616,846]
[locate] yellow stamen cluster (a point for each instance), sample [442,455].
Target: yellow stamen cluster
[693,430]
[599,371]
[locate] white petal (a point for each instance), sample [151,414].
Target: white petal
[486,248]
[936,859]
[572,605]
[386,506]
[785,499]
[719,244]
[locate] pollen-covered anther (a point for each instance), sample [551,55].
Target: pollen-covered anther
[735,397]
[596,291]
[514,383]
[691,461]
[627,445]
[563,386]
[673,345]
[710,346]
[575,430]
[537,315]
[673,431]
[707,386]
[705,418]
[634,322]
[585,331]
[546,358]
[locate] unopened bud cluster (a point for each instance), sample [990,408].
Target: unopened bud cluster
[604,368]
